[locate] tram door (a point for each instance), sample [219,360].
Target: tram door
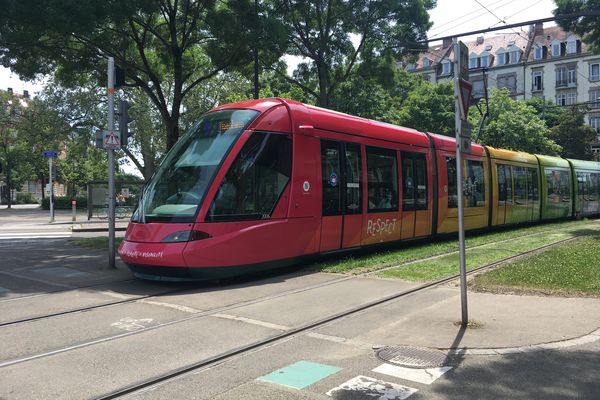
[341,173]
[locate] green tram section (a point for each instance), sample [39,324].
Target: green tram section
[557,187]
[586,179]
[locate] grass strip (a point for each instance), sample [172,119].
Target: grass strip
[444,266]
[356,264]
[97,242]
[571,269]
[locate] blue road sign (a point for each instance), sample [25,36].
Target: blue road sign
[50,154]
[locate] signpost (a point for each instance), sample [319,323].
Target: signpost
[111,143]
[462,95]
[51,155]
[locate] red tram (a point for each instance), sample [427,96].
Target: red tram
[266,183]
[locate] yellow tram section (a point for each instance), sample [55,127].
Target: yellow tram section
[516,187]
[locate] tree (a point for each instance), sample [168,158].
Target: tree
[588,27]
[167,47]
[430,108]
[320,31]
[574,135]
[514,125]
[11,149]
[548,111]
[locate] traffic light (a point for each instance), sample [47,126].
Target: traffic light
[100,140]
[124,121]
[119,77]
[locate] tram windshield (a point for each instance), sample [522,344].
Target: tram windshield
[176,190]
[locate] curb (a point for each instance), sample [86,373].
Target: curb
[532,348]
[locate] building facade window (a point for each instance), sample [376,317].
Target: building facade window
[509,82]
[561,76]
[571,98]
[501,55]
[571,76]
[572,46]
[538,52]
[595,72]
[515,56]
[556,48]
[595,98]
[561,99]
[595,122]
[473,62]
[537,81]
[446,67]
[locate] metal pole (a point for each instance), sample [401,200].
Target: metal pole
[111,164]
[51,190]
[459,188]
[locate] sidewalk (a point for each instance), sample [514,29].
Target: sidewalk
[31,215]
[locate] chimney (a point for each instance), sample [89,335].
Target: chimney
[447,43]
[10,91]
[26,94]
[538,30]
[479,40]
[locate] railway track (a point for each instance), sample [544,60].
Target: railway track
[182,290]
[230,355]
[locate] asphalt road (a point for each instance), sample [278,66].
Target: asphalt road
[155,328]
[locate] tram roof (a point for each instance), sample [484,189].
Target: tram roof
[325,119]
[515,156]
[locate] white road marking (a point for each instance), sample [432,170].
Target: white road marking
[170,305]
[426,376]
[252,321]
[131,324]
[373,388]
[342,340]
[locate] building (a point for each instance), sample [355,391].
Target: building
[544,62]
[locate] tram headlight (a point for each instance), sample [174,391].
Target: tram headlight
[186,236]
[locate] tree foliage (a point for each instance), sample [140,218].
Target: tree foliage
[514,125]
[321,32]
[574,135]
[167,47]
[588,27]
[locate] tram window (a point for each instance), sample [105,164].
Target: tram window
[255,180]
[532,185]
[509,184]
[594,186]
[330,176]
[452,185]
[475,184]
[382,180]
[421,175]
[501,184]
[353,178]
[520,185]
[414,182]
[559,189]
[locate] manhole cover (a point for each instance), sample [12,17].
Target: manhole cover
[412,357]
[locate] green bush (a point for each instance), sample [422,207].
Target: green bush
[64,203]
[26,198]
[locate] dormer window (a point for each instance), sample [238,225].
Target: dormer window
[484,60]
[501,54]
[572,47]
[473,61]
[446,67]
[426,62]
[538,52]
[515,56]
[556,48]
[410,66]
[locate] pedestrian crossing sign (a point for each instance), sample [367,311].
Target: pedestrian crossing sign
[111,140]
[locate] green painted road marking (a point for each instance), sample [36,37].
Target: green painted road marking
[300,375]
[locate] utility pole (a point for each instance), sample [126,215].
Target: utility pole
[462,95]
[111,162]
